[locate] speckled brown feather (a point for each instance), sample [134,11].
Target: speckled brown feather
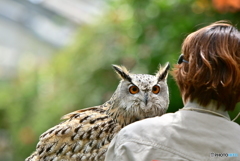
[85,135]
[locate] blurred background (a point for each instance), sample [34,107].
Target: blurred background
[56,56]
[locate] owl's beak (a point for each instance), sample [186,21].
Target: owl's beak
[146,99]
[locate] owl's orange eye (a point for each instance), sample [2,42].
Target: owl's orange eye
[156,89]
[133,90]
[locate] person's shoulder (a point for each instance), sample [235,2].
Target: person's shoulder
[163,120]
[148,125]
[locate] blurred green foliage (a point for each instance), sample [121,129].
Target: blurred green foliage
[139,34]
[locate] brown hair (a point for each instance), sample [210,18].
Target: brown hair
[213,68]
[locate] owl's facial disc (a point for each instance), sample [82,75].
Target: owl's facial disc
[143,96]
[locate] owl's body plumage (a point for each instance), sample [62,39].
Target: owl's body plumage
[85,134]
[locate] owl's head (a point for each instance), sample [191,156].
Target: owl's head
[140,96]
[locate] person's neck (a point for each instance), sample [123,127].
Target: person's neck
[212,106]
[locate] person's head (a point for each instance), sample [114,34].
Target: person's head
[212,67]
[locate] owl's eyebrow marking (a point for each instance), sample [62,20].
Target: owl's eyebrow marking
[122,73]
[128,78]
[164,73]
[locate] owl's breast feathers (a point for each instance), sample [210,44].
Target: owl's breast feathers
[85,135]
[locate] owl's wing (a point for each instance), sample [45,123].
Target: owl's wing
[72,114]
[85,135]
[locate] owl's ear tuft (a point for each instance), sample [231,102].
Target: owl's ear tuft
[122,72]
[162,73]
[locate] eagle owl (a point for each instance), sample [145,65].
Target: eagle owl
[85,134]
